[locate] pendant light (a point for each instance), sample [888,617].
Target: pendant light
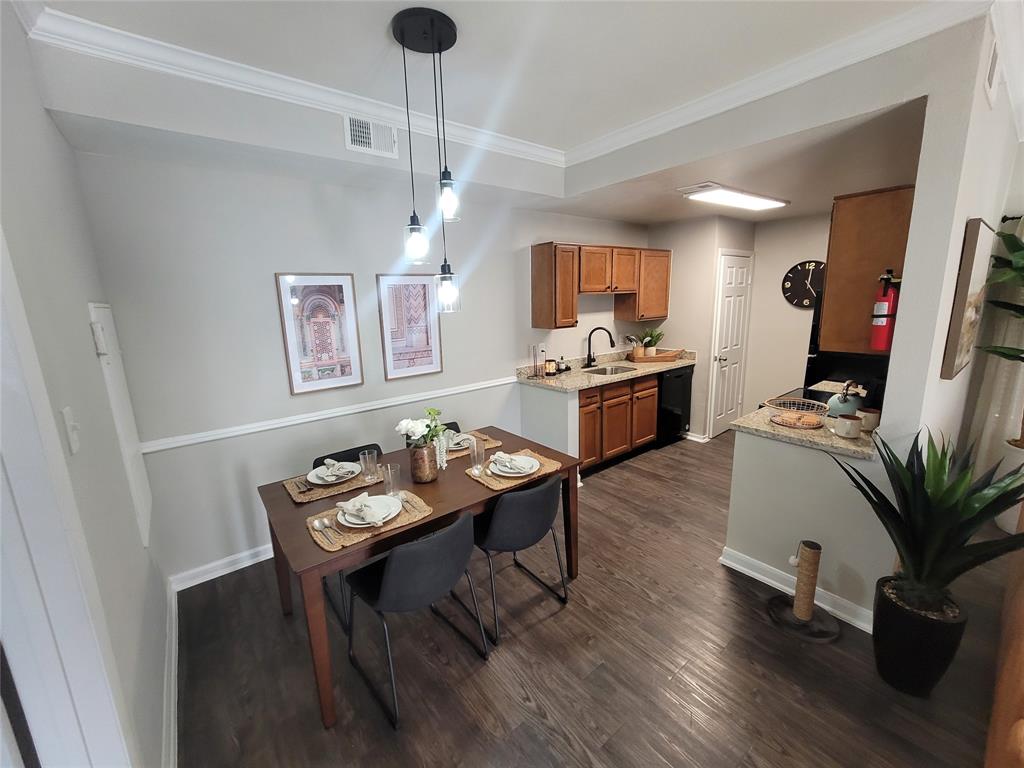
[417,244]
[446,284]
[448,198]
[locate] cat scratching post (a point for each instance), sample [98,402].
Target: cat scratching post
[798,615]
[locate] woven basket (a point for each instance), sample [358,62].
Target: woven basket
[797,413]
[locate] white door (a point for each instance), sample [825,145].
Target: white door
[735,274]
[109,352]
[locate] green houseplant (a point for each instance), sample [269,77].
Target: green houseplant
[650,338]
[938,505]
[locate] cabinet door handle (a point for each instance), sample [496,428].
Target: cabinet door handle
[615,287]
[642,315]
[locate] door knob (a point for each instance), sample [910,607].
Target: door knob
[722,359]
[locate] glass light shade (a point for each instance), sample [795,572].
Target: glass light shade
[446,284]
[417,245]
[736,199]
[448,198]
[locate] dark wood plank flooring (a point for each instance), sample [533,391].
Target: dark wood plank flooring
[662,657]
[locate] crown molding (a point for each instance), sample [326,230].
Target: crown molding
[86,37]
[1008,25]
[28,12]
[916,24]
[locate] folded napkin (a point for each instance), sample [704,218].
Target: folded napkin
[359,510]
[457,439]
[508,462]
[333,470]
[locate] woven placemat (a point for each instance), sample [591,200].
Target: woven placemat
[499,483]
[293,485]
[489,443]
[413,509]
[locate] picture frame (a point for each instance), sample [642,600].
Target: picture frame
[969,298]
[320,329]
[410,327]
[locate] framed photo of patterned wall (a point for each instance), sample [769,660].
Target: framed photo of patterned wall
[321,336]
[409,327]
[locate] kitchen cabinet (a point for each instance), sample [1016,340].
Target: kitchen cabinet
[868,235]
[554,274]
[625,269]
[616,418]
[595,269]
[644,417]
[651,300]
[590,427]
[616,426]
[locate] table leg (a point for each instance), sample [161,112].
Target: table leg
[316,624]
[284,577]
[570,515]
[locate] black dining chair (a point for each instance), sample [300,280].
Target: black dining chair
[344,613]
[452,425]
[520,519]
[414,576]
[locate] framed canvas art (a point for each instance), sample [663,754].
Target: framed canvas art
[969,299]
[409,327]
[321,336]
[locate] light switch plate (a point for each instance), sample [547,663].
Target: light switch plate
[71,429]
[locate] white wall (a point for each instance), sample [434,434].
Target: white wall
[49,242]
[780,332]
[188,251]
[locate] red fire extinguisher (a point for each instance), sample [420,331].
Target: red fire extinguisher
[883,318]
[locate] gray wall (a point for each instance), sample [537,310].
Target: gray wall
[187,252]
[779,332]
[49,242]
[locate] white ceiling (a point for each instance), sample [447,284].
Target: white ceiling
[558,74]
[807,168]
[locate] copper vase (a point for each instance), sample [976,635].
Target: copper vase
[423,463]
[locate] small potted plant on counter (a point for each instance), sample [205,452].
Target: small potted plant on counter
[651,337]
[938,507]
[422,435]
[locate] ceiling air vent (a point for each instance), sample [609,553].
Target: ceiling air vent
[704,186]
[371,137]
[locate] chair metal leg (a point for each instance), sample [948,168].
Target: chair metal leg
[494,599]
[483,651]
[564,597]
[392,712]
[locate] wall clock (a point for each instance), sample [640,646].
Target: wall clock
[804,283]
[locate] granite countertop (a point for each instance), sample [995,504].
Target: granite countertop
[835,387]
[578,378]
[757,423]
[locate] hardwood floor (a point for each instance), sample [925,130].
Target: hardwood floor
[662,657]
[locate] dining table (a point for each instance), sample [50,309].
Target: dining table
[454,491]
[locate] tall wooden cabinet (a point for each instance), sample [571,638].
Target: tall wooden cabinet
[868,236]
[553,284]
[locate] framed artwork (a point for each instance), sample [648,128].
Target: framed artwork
[321,337]
[409,327]
[969,299]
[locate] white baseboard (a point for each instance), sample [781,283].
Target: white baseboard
[202,573]
[840,607]
[697,438]
[170,739]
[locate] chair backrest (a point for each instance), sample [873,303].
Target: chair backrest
[422,571]
[522,518]
[349,454]
[452,425]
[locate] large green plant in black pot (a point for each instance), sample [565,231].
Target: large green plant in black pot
[937,506]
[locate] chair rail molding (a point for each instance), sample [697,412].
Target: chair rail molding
[180,441]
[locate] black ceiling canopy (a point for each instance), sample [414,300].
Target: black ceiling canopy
[424,30]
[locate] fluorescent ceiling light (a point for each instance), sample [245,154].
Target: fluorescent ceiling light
[710,192]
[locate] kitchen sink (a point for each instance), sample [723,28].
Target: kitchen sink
[611,370]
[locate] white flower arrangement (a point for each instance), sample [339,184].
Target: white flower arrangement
[422,432]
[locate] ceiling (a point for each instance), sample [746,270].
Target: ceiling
[807,168]
[558,74]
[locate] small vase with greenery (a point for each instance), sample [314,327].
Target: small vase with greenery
[422,436]
[650,338]
[938,506]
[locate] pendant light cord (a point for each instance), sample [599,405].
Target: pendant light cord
[408,126]
[437,130]
[444,131]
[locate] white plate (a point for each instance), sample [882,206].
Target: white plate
[529,461]
[316,476]
[389,505]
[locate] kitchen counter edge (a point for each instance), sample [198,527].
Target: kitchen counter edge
[579,379]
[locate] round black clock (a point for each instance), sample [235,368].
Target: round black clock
[803,284]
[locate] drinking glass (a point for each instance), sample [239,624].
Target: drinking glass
[477,454]
[392,479]
[368,463]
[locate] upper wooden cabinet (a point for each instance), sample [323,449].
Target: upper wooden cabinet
[650,302]
[868,236]
[625,269]
[595,269]
[554,272]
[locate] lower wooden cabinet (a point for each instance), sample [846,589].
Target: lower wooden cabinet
[616,418]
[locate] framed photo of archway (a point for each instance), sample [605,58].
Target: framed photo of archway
[409,327]
[320,330]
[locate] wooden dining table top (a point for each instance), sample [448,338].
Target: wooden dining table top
[453,491]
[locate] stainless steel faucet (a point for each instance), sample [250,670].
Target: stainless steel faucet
[591,360]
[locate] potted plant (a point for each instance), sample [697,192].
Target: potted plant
[1009,271]
[938,506]
[650,337]
[422,435]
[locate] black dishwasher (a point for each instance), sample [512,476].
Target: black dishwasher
[674,390]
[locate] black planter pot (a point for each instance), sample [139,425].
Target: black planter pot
[912,652]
